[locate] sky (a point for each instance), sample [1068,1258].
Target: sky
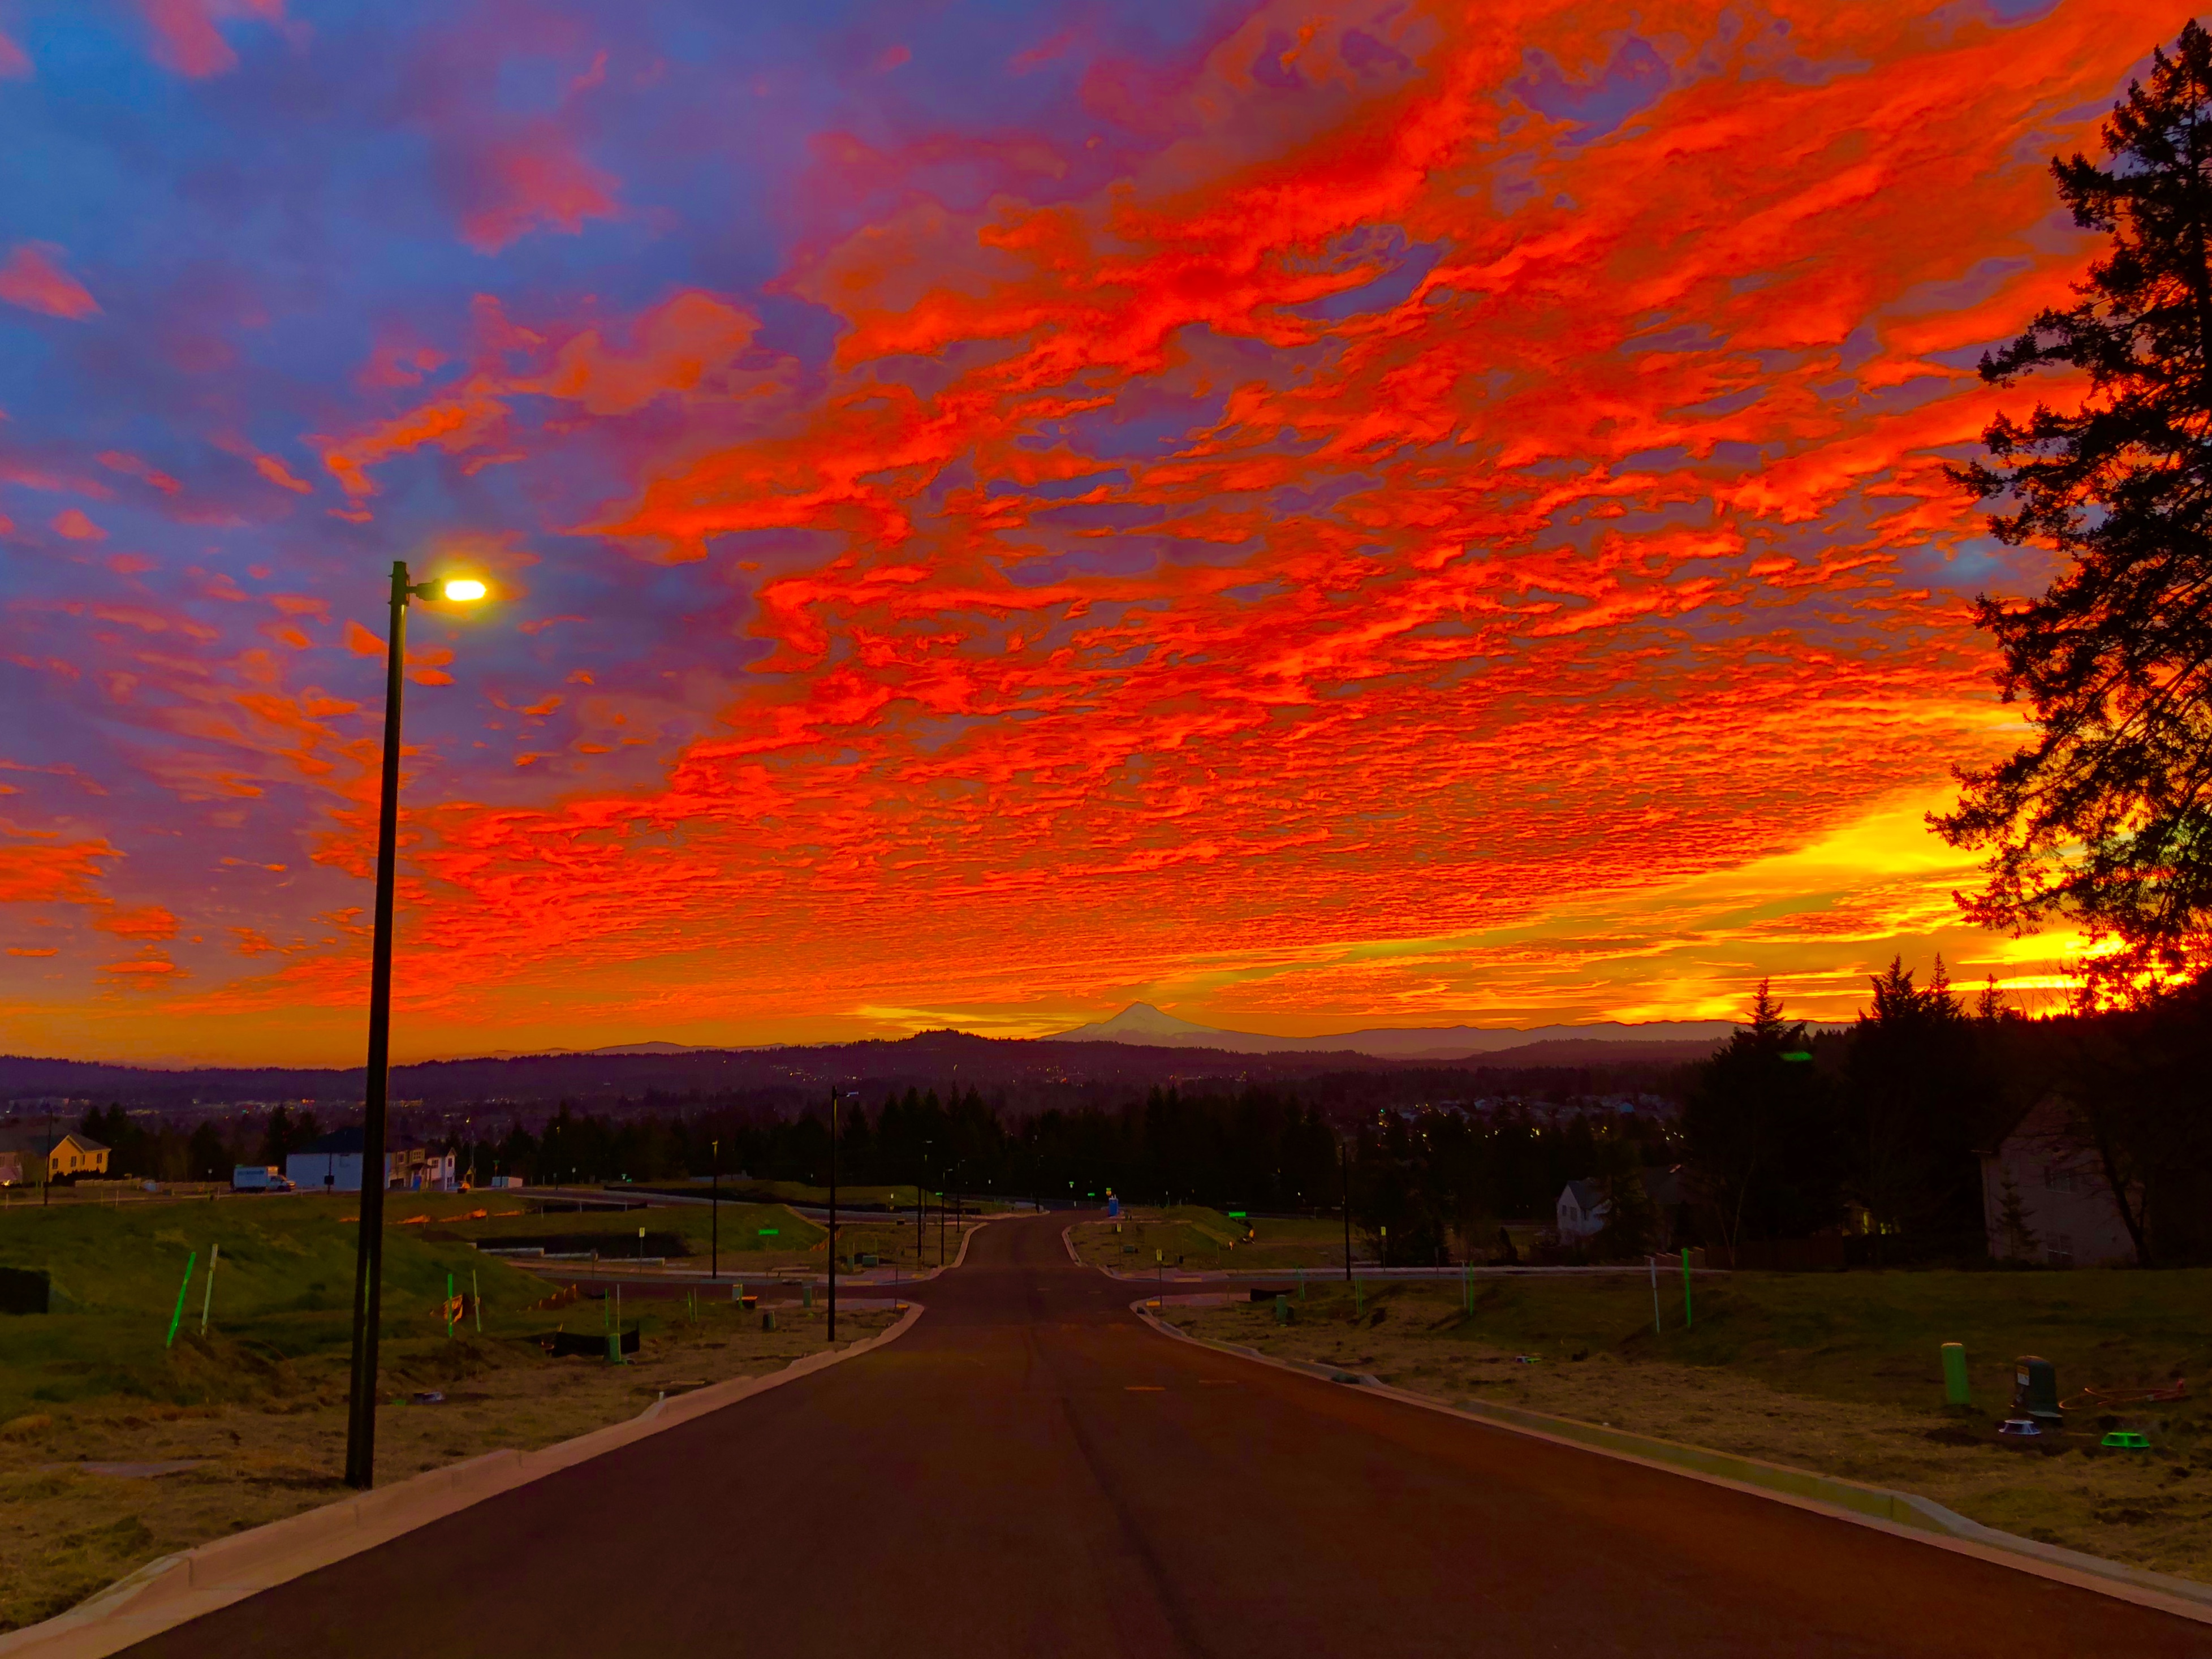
[1388,514]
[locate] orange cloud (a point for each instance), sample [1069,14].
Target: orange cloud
[151,922]
[33,279]
[15,62]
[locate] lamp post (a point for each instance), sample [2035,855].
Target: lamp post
[715,1270]
[1344,1158]
[833,1215]
[368,1263]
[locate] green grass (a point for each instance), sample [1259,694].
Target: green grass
[1871,1337]
[283,1293]
[848,1192]
[741,1224]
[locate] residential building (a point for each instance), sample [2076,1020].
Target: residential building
[67,1152]
[2044,1197]
[1582,1210]
[329,1163]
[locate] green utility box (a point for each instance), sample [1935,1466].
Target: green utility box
[1282,1310]
[806,1295]
[768,1319]
[1955,1392]
[2128,1440]
[2035,1390]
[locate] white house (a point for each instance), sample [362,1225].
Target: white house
[2065,1214]
[1582,1210]
[332,1163]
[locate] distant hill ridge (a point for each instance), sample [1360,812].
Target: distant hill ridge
[1141,1022]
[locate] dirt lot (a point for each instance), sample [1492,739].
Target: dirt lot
[1862,1398]
[66,1533]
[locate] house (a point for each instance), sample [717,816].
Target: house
[2044,1197]
[1582,1210]
[330,1163]
[67,1155]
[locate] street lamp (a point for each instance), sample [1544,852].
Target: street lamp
[368,1262]
[833,1215]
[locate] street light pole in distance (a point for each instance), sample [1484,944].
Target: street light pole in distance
[715,1271]
[368,1262]
[1344,1158]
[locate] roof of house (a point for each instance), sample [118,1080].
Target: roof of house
[1586,1194]
[40,1140]
[339,1141]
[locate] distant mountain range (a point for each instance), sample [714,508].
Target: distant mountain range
[1137,1048]
[1141,1022]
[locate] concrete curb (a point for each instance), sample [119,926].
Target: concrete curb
[177,1589]
[1906,1515]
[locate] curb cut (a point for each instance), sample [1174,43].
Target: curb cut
[177,1589]
[1904,1515]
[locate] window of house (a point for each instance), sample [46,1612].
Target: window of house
[2060,1251]
[2059,1181]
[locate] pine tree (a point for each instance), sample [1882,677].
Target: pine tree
[2107,815]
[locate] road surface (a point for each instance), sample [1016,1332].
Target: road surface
[1029,1470]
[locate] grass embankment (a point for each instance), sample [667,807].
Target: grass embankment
[261,1398]
[1840,1373]
[1205,1240]
[856,1196]
[756,1239]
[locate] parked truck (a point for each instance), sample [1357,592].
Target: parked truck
[259,1178]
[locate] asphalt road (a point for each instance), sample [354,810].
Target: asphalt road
[1029,1470]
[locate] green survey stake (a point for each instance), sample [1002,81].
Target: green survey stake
[178,1318]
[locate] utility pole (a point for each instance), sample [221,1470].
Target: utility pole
[833,1214]
[1344,1158]
[714,1270]
[46,1174]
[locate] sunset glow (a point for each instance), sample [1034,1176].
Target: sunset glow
[1389,515]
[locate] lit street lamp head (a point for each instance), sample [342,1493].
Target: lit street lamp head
[466,587]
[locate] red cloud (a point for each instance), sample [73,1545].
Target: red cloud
[15,62]
[535,178]
[116,460]
[280,475]
[678,344]
[186,38]
[32,279]
[73,524]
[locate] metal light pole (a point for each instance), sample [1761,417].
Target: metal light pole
[368,1266]
[1344,1158]
[832,1214]
[715,1271]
